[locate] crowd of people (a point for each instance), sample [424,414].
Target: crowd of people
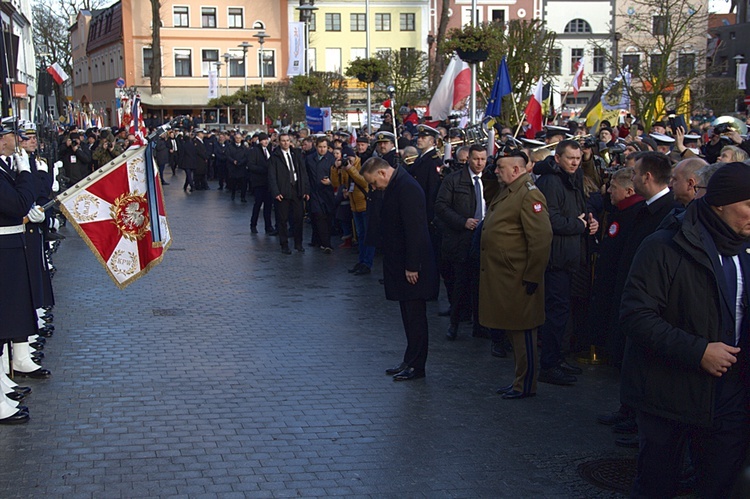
[635,242]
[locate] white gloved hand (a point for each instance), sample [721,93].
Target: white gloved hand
[36,215]
[41,165]
[21,161]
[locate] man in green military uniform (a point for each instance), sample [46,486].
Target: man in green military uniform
[515,249]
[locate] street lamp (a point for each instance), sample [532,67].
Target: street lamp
[737,61]
[261,36]
[245,46]
[306,12]
[227,57]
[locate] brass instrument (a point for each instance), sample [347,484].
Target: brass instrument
[554,144]
[735,124]
[409,160]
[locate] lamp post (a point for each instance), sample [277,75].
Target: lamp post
[737,61]
[473,100]
[367,55]
[227,57]
[245,46]
[218,65]
[306,13]
[261,36]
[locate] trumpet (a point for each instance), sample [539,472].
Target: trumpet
[409,160]
[554,144]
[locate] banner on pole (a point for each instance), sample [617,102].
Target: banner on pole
[296,49]
[741,76]
[318,118]
[213,84]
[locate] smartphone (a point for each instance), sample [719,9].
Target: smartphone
[634,131]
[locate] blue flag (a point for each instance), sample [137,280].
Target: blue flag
[501,87]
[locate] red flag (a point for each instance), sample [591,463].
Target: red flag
[58,73]
[453,90]
[109,210]
[578,78]
[534,111]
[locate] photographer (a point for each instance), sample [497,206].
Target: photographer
[106,152]
[76,159]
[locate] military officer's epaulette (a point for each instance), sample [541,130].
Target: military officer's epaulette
[436,154]
[530,186]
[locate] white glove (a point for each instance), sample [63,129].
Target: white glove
[41,165]
[21,161]
[36,215]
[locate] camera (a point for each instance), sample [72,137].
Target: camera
[589,142]
[721,128]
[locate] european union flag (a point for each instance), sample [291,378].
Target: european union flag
[501,87]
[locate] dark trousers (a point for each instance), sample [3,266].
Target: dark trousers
[262,198]
[291,206]
[717,453]
[414,317]
[460,297]
[221,173]
[366,253]
[188,180]
[238,184]
[557,311]
[322,225]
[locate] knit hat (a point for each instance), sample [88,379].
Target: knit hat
[730,184]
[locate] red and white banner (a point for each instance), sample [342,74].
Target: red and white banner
[58,73]
[453,91]
[109,210]
[578,78]
[534,110]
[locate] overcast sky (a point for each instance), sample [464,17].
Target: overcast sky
[721,6]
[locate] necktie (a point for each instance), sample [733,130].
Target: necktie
[265,152]
[290,165]
[478,197]
[730,275]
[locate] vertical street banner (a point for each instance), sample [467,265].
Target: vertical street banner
[296,49]
[742,76]
[110,211]
[213,84]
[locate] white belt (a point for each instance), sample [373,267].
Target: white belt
[13,229]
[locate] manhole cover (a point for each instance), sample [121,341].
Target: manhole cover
[611,474]
[167,312]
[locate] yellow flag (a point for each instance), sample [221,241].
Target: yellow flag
[659,108]
[684,107]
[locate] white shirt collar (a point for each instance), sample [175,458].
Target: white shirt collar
[657,196]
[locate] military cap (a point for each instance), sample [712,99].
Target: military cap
[28,127]
[661,139]
[692,136]
[343,134]
[557,130]
[363,139]
[531,142]
[385,137]
[427,131]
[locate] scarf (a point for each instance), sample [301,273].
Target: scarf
[727,241]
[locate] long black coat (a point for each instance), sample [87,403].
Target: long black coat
[258,166]
[322,197]
[200,157]
[237,160]
[406,241]
[456,202]
[162,152]
[565,202]
[672,307]
[17,194]
[425,172]
[279,181]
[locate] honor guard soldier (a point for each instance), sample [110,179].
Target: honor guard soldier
[556,134]
[664,145]
[426,168]
[385,145]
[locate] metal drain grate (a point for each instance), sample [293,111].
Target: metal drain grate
[611,474]
[167,312]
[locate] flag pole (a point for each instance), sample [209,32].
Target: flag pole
[520,122]
[562,101]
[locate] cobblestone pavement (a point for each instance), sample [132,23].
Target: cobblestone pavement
[232,370]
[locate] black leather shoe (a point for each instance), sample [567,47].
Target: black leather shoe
[286,251]
[498,350]
[570,369]
[273,233]
[612,418]
[327,250]
[37,345]
[556,376]
[514,394]
[627,427]
[22,389]
[37,356]
[363,270]
[15,396]
[300,249]
[504,389]
[38,374]
[355,268]
[253,230]
[627,442]
[445,313]
[397,369]
[20,417]
[45,333]
[452,332]
[48,317]
[408,374]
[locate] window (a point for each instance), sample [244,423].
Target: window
[685,64]
[383,53]
[333,22]
[659,26]
[208,17]
[382,22]
[555,62]
[333,60]
[408,52]
[632,61]
[578,26]
[148,56]
[181,17]
[656,60]
[575,56]
[600,60]
[407,22]
[498,16]
[358,22]
[358,53]
[236,17]
[312,59]
[311,22]
[208,59]
[236,63]
[183,62]
[267,63]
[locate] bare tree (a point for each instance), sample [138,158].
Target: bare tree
[439,62]
[407,72]
[155,68]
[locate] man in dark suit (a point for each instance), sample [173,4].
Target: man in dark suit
[322,197]
[200,160]
[287,181]
[237,162]
[258,164]
[409,270]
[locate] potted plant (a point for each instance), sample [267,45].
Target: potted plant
[469,42]
[367,70]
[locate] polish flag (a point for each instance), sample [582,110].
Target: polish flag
[534,111]
[58,73]
[578,78]
[454,89]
